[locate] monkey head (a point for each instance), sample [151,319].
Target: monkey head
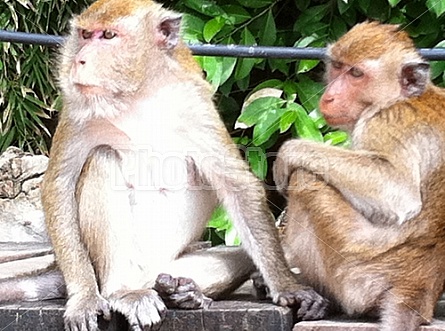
[112,49]
[370,68]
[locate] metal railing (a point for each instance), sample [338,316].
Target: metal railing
[434,54]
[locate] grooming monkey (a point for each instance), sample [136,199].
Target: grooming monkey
[366,225]
[139,160]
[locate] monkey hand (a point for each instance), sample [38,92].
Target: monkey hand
[312,306]
[82,311]
[182,293]
[143,309]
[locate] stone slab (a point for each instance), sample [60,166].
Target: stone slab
[227,315]
[221,316]
[350,325]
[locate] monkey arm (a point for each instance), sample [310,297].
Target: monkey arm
[384,190]
[61,216]
[219,162]
[59,202]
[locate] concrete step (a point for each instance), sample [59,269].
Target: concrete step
[343,324]
[221,316]
[230,315]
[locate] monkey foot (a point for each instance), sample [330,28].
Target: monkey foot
[82,312]
[143,309]
[259,285]
[312,305]
[180,292]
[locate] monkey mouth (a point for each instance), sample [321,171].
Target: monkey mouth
[337,120]
[90,89]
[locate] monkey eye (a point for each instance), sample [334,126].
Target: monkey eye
[336,65]
[86,34]
[355,72]
[108,34]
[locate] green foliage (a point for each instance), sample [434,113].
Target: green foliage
[28,94]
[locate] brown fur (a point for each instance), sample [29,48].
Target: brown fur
[371,41]
[368,230]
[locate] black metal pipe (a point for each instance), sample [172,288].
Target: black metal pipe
[434,54]
[30,38]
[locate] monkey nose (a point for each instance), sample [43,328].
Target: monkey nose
[82,62]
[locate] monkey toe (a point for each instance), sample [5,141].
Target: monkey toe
[82,312]
[144,309]
[312,306]
[180,292]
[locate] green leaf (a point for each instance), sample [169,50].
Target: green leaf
[364,5]
[213,67]
[338,28]
[266,127]
[280,64]
[393,3]
[287,120]
[245,65]
[254,112]
[436,6]
[379,10]
[343,6]
[257,161]
[255,3]
[304,125]
[236,14]
[268,31]
[212,27]
[317,118]
[220,219]
[309,21]
[306,41]
[273,83]
[437,67]
[192,28]
[302,4]
[231,237]
[205,7]
[309,92]
[335,137]
[307,65]
[228,66]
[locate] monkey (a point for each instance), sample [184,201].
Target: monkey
[138,162]
[366,225]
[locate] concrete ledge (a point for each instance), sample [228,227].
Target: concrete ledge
[221,315]
[228,315]
[349,325]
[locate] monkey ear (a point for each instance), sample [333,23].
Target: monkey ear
[415,77]
[168,31]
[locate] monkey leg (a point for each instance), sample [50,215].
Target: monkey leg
[401,313]
[106,220]
[133,236]
[354,263]
[217,271]
[44,285]
[315,239]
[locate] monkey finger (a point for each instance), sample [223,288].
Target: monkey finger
[312,305]
[186,285]
[165,284]
[187,300]
[104,310]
